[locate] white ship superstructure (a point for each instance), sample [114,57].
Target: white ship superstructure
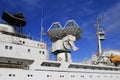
[22,58]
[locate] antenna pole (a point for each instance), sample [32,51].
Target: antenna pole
[41,24]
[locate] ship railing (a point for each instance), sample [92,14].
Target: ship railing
[10,39]
[21,36]
[13,65]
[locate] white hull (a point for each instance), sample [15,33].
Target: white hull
[49,74]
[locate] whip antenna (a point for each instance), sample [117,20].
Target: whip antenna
[41,22]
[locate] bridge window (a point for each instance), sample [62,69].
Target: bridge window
[50,64]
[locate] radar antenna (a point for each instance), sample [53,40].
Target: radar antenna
[17,20]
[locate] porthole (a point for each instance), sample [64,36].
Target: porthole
[10,75]
[23,42]
[82,76]
[40,52]
[29,50]
[72,75]
[47,75]
[10,47]
[6,47]
[30,75]
[61,75]
[13,75]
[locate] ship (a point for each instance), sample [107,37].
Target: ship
[22,58]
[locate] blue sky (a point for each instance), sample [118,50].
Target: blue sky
[84,12]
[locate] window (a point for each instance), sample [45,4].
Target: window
[47,75]
[43,52]
[23,42]
[50,64]
[6,47]
[10,47]
[29,75]
[72,75]
[40,52]
[61,75]
[82,75]
[29,50]
[13,75]
[10,75]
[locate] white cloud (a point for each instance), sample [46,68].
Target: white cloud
[112,20]
[111,24]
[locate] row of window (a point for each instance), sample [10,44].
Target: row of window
[29,50]
[8,47]
[23,42]
[82,76]
[40,52]
[13,75]
[79,66]
[93,67]
[51,64]
[72,76]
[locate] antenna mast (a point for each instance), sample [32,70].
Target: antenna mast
[100,37]
[41,23]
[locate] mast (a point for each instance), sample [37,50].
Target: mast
[100,37]
[41,26]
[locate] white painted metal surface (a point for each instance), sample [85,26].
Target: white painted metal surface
[16,51]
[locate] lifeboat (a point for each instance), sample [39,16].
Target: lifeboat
[115,59]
